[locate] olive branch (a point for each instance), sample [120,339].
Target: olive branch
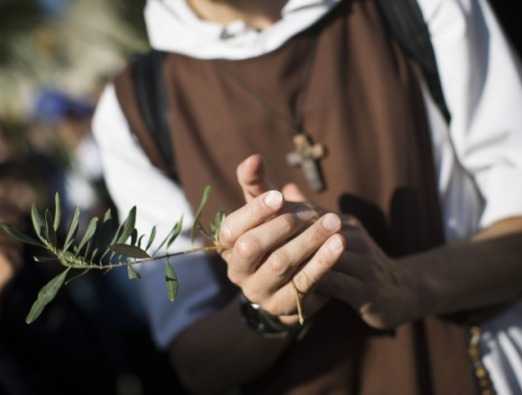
[101,248]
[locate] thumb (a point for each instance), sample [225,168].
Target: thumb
[251,177]
[292,193]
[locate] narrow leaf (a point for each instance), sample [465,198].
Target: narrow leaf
[215,227]
[167,238]
[128,226]
[140,241]
[45,296]
[48,230]
[132,273]
[89,233]
[19,236]
[171,281]
[93,255]
[73,227]
[88,249]
[134,237]
[130,251]
[151,238]
[176,232]
[107,216]
[37,220]
[57,212]
[199,211]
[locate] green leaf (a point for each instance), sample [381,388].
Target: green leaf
[87,249]
[73,227]
[171,281]
[57,212]
[168,237]
[48,230]
[175,232]
[215,226]
[140,241]
[107,216]
[45,296]
[134,237]
[93,255]
[89,233]
[37,220]
[199,211]
[127,226]
[132,273]
[19,236]
[151,238]
[130,251]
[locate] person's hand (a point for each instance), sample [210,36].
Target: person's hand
[271,245]
[372,283]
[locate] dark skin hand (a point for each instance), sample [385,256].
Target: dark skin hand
[458,276]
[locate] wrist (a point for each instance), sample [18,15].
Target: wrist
[421,288]
[266,324]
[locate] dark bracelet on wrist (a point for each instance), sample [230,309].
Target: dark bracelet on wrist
[264,323]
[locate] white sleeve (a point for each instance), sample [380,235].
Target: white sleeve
[481,80]
[133,181]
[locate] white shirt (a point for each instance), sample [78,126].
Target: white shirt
[478,157]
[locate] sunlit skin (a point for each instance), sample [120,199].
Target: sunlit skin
[6,271]
[258,14]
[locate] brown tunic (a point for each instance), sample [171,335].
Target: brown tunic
[357,94]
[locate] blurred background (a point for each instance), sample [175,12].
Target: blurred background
[55,58]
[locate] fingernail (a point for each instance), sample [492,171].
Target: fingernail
[273,199]
[335,245]
[331,222]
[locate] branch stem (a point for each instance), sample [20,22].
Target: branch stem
[145,260]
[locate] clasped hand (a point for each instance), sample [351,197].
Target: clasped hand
[277,243]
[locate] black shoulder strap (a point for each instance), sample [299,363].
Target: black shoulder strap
[149,88]
[406,23]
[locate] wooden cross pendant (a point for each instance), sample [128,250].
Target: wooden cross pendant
[306,155]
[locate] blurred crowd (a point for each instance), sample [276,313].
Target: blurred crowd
[96,323]
[53,64]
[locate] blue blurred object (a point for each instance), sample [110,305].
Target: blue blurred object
[53,105]
[53,7]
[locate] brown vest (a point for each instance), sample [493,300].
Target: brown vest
[357,94]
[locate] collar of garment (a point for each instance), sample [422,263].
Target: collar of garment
[173,26]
